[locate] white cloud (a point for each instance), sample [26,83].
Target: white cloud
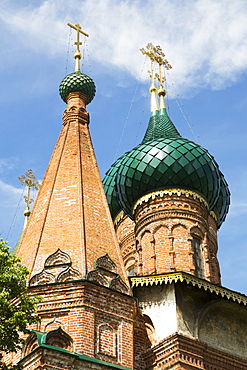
[12,206]
[205,41]
[7,164]
[9,195]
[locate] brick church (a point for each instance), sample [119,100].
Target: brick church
[128,270]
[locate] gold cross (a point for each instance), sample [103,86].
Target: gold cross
[156,54]
[30,180]
[77,55]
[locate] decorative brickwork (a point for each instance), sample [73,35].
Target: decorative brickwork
[106,263]
[59,338]
[86,318]
[106,340]
[58,258]
[181,352]
[125,230]
[30,345]
[71,248]
[171,232]
[71,213]
[57,268]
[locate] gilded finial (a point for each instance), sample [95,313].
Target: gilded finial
[157,59]
[150,52]
[77,54]
[29,180]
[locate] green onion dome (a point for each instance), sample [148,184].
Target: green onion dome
[77,82]
[165,160]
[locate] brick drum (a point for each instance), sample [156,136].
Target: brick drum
[161,237]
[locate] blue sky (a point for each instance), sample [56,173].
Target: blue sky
[204,40]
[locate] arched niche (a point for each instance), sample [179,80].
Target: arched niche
[162,248]
[30,344]
[196,232]
[150,329]
[147,246]
[222,325]
[181,247]
[106,340]
[130,266]
[59,338]
[196,238]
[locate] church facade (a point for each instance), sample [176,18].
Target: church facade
[128,270]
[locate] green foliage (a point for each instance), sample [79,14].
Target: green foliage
[17,308]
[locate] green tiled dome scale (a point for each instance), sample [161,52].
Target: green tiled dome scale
[165,160]
[77,82]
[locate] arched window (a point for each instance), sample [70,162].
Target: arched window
[130,266]
[198,257]
[131,270]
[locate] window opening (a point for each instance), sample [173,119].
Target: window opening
[198,258]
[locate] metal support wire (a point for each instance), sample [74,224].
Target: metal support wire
[167,94]
[187,118]
[140,123]
[68,51]
[12,225]
[83,56]
[185,114]
[88,57]
[130,109]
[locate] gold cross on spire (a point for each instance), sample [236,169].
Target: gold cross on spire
[157,57]
[77,55]
[31,182]
[156,54]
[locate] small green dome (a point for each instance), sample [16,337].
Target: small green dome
[77,82]
[165,160]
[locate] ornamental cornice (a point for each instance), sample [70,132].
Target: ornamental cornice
[127,238]
[75,113]
[175,277]
[182,349]
[128,251]
[167,214]
[171,191]
[65,307]
[81,117]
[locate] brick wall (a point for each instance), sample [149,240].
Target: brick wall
[180,352]
[161,238]
[99,321]
[71,211]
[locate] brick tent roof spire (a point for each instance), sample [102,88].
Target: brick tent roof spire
[71,212]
